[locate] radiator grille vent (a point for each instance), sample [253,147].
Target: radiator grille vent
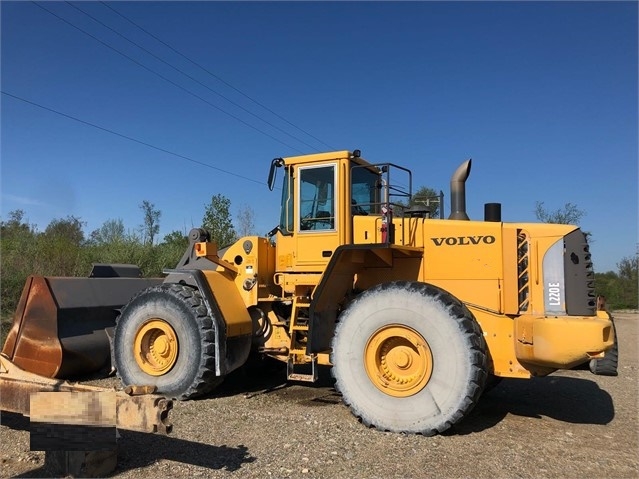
[523,270]
[580,275]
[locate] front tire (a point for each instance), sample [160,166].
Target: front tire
[409,357]
[166,338]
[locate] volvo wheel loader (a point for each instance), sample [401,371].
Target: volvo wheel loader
[417,315]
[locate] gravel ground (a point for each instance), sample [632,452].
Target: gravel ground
[570,424]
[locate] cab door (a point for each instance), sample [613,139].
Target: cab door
[317,215]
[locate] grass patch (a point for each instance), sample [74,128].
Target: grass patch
[5,325]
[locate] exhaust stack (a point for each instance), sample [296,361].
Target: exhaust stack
[458,191]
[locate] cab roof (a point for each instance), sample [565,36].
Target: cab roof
[327,156]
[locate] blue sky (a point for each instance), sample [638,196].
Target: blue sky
[542,96]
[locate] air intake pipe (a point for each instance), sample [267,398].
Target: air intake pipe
[458,191]
[492,212]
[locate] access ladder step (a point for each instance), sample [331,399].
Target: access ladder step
[291,375]
[308,378]
[302,302]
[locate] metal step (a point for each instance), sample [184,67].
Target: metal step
[291,375]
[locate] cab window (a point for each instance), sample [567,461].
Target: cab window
[286,211]
[317,198]
[365,187]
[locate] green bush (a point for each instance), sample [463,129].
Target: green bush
[61,250]
[620,288]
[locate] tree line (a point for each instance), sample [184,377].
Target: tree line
[63,249]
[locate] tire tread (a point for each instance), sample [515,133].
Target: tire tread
[204,380]
[478,352]
[607,366]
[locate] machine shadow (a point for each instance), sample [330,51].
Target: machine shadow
[265,376]
[574,400]
[14,421]
[566,399]
[158,447]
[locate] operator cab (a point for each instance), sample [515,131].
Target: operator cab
[323,196]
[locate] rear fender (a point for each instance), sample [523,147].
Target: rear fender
[231,321]
[373,264]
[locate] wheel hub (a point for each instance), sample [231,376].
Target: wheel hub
[156,347]
[398,360]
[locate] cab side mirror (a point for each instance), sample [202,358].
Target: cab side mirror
[276,163]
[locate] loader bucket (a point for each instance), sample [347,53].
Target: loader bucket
[59,325]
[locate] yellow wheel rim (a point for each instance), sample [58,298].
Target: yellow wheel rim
[156,347]
[398,360]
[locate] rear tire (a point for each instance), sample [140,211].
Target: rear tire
[409,357]
[607,366]
[166,338]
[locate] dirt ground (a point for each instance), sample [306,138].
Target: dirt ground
[571,424]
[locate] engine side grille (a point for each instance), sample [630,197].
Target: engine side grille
[523,270]
[579,275]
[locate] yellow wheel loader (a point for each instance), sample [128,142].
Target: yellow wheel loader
[417,315]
